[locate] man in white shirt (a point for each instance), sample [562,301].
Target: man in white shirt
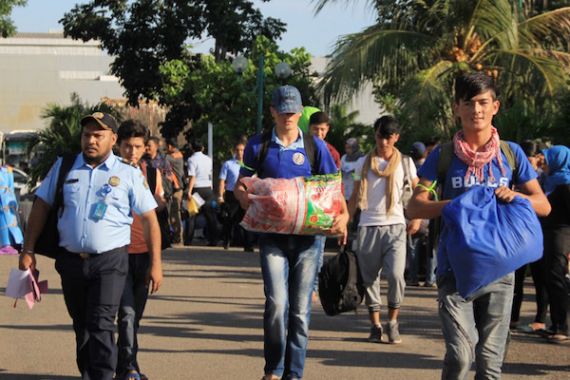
[381,181]
[200,181]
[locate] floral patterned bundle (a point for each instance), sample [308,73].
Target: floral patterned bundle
[299,206]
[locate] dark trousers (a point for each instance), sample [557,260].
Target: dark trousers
[556,247]
[131,310]
[231,222]
[175,218]
[212,226]
[540,290]
[92,289]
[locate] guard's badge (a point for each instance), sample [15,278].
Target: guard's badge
[299,158]
[114,181]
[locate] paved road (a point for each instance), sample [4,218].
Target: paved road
[206,323]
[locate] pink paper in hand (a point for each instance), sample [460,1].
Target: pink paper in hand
[22,284]
[36,289]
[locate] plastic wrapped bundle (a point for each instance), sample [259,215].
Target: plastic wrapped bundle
[300,206]
[486,239]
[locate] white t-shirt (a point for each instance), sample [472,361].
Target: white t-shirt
[347,169]
[200,166]
[375,214]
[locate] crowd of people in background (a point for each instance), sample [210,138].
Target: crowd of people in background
[388,219]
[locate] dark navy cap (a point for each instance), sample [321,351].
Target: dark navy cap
[418,148]
[287,99]
[104,120]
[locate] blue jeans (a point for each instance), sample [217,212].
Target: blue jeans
[131,310]
[289,265]
[476,328]
[322,239]
[414,254]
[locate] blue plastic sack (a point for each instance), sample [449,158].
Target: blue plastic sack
[486,239]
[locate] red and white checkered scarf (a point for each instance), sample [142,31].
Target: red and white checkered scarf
[476,160]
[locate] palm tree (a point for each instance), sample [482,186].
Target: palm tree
[417,47]
[62,134]
[344,126]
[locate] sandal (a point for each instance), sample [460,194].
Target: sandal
[557,338]
[532,328]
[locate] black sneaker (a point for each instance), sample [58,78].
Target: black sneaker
[375,334]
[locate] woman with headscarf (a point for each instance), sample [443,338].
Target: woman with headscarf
[556,229]
[10,233]
[531,149]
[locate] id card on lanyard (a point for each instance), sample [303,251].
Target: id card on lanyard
[100,208]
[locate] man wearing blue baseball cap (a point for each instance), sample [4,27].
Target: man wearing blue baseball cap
[289,263]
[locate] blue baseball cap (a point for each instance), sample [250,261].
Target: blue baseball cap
[418,149]
[286,99]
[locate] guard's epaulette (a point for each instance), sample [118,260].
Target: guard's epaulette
[129,163]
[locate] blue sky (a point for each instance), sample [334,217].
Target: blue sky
[316,33]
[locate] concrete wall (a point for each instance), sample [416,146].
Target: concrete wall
[37,69]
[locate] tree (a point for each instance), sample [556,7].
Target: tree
[226,99]
[344,126]
[63,134]
[417,47]
[143,35]
[7,27]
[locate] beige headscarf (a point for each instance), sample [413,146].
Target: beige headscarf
[370,163]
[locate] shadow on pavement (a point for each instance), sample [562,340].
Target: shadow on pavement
[22,376]
[533,369]
[38,328]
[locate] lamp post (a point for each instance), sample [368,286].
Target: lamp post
[259,83]
[282,71]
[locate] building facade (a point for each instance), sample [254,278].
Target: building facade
[38,69]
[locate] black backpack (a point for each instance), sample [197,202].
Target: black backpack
[162,215]
[47,243]
[340,285]
[309,146]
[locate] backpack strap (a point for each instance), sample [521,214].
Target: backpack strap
[511,160]
[310,151]
[151,178]
[67,161]
[308,143]
[406,162]
[445,156]
[265,141]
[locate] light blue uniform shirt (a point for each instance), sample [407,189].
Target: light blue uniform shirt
[200,166]
[230,173]
[78,230]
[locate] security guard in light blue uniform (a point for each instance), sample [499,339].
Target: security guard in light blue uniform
[116,185]
[99,192]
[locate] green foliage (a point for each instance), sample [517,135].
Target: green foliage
[559,131]
[344,126]
[143,35]
[7,27]
[417,47]
[226,99]
[63,134]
